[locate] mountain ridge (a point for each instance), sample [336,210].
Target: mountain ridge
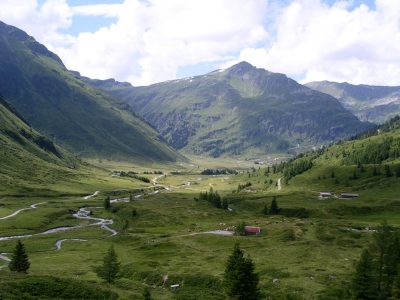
[80,117]
[368,102]
[238,110]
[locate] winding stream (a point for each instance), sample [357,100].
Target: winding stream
[33,206]
[84,213]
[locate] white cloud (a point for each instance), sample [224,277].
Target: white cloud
[151,40]
[316,41]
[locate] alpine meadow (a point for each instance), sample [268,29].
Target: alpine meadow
[200,150]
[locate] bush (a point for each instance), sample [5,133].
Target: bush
[46,287]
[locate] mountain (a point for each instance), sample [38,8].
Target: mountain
[369,103]
[28,157]
[70,112]
[370,161]
[240,110]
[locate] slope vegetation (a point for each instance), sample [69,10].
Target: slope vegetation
[26,157]
[74,114]
[240,110]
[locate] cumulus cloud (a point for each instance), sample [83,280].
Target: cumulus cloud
[149,41]
[316,41]
[152,40]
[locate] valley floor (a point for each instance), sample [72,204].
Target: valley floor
[172,234]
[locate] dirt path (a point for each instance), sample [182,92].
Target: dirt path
[279,184]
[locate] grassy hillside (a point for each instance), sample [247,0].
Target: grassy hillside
[241,110]
[26,157]
[370,103]
[72,113]
[370,162]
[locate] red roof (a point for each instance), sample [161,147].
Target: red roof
[252,229]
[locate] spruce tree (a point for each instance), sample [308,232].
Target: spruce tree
[274,209]
[110,269]
[19,260]
[107,202]
[364,283]
[240,280]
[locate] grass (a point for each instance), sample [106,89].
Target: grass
[307,256]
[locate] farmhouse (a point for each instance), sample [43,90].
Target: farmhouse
[348,196]
[252,230]
[324,195]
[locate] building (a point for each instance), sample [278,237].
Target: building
[324,195]
[348,196]
[252,230]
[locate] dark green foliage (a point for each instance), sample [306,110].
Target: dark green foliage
[218,172]
[240,280]
[243,186]
[398,171]
[364,283]
[377,270]
[212,197]
[396,288]
[107,202]
[109,271]
[274,209]
[32,288]
[388,172]
[376,153]
[19,259]
[146,294]
[224,204]
[295,166]
[134,175]
[240,229]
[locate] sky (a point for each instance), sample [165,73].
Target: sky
[148,41]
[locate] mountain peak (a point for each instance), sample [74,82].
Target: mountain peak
[241,68]
[12,32]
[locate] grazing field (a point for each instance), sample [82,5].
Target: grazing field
[307,250]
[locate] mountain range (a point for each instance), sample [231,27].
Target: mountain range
[240,110]
[77,116]
[369,103]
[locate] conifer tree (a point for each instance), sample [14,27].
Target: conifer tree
[364,282]
[240,280]
[107,202]
[274,209]
[109,271]
[240,229]
[19,260]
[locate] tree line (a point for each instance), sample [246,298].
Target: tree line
[213,198]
